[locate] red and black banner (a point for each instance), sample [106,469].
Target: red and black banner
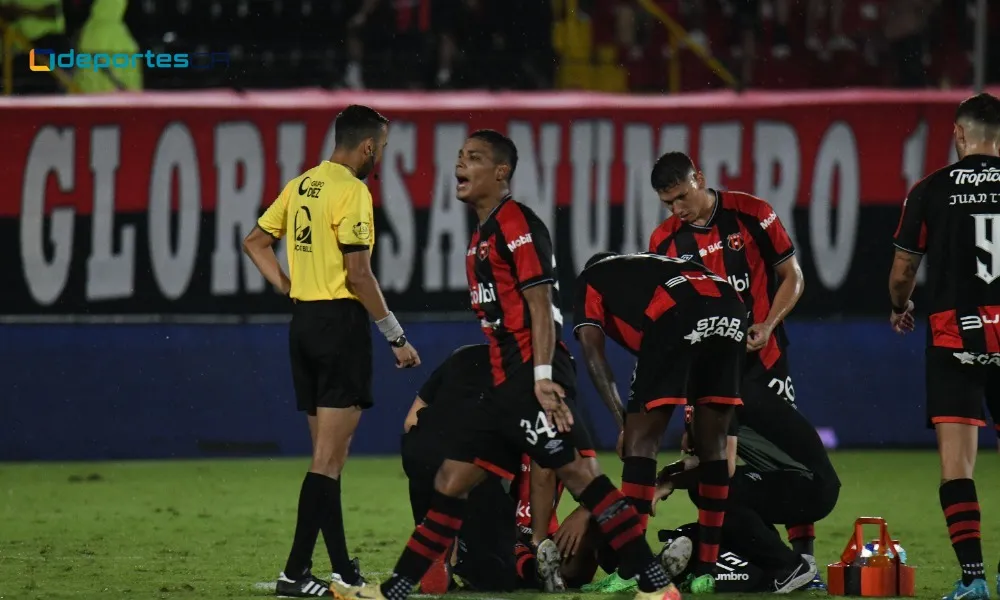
[137,204]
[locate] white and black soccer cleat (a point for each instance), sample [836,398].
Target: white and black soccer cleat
[796,578]
[549,561]
[307,586]
[676,555]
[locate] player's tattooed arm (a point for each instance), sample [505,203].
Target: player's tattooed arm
[592,340]
[903,277]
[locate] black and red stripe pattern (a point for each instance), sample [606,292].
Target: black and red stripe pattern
[960,505]
[509,252]
[431,540]
[639,485]
[623,295]
[742,242]
[975,329]
[713,492]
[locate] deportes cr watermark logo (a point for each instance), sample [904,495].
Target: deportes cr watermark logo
[47,60]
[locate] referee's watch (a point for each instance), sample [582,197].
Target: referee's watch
[398,342]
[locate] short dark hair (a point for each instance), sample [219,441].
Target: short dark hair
[598,258]
[982,108]
[670,169]
[504,150]
[357,123]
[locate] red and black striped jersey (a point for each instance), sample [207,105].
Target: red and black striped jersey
[953,215]
[624,295]
[510,252]
[743,241]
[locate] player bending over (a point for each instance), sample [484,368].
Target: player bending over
[741,238]
[953,215]
[530,408]
[770,487]
[687,326]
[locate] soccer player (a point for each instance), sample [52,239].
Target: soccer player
[530,408]
[687,326]
[770,487]
[953,215]
[741,238]
[328,209]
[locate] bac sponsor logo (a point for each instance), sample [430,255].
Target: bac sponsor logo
[771,218]
[716,326]
[740,283]
[521,241]
[978,321]
[973,177]
[735,241]
[703,252]
[483,294]
[975,358]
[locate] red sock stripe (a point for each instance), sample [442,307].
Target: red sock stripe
[965,536]
[711,518]
[644,522]
[441,519]
[432,536]
[963,526]
[520,564]
[715,492]
[521,549]
[605,504]
[638,491]
[620,518]
[954,509]
[798,532]
[422,550]
[708,553]
[626,536]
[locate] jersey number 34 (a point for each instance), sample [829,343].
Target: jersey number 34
[540,427]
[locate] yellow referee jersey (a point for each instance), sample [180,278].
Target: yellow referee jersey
[329,212]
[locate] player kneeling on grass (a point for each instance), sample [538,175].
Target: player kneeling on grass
[687,326]
[771,487]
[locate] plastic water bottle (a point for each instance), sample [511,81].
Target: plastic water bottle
[871,549]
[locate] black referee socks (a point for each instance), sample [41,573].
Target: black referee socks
[961,511]
[332,526]
[312,498]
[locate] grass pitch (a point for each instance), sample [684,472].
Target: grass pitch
[216,529]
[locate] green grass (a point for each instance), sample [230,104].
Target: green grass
[212,529]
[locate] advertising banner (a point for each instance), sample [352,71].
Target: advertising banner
[129,205]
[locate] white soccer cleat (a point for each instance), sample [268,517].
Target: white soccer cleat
[676,556]
[549,561]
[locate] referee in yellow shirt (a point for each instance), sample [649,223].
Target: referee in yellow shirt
[328,212]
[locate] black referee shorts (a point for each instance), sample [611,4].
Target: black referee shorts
[330,344]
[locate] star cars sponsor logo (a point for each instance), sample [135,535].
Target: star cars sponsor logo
[973,177]
[976,358]
[520,241]
[729,327]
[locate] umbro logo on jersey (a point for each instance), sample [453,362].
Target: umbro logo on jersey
[971,177]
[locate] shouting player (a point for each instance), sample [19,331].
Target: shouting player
[741,238]
[687,326]
[953,215]
[530,408]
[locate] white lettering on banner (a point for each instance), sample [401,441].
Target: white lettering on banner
[397,242]
[591,151]
[643,211]
[173,265]
[237,206]
[291,160]
[776,148]
[534,181]
[973,177]
[716,326]
[447,215]
[721,149]
[833,251]
[988,240]
[914,163]
[520,241]
[52,151]
[110,275]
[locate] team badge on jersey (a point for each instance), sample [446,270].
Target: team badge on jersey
[735,241]
[483,251]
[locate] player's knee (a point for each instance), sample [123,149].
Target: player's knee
[328,459]
[577,475]
[641,444]
[450,484]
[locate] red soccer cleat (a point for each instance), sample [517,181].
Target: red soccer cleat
[437,580]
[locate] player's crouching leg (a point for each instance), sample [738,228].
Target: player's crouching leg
[620,525]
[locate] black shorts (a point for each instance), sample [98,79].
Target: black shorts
[958,383]
[509,422]
[692,356]
[330,343]
[761,384]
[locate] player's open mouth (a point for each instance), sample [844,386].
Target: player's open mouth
[461,183]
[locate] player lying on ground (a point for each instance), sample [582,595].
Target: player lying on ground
[687,326]
[740,237]
[531,406]
[953,215]
[770,487]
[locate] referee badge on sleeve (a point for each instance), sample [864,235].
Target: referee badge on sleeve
[362,230]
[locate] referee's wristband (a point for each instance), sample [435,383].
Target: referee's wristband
[390,327]
[543,372]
